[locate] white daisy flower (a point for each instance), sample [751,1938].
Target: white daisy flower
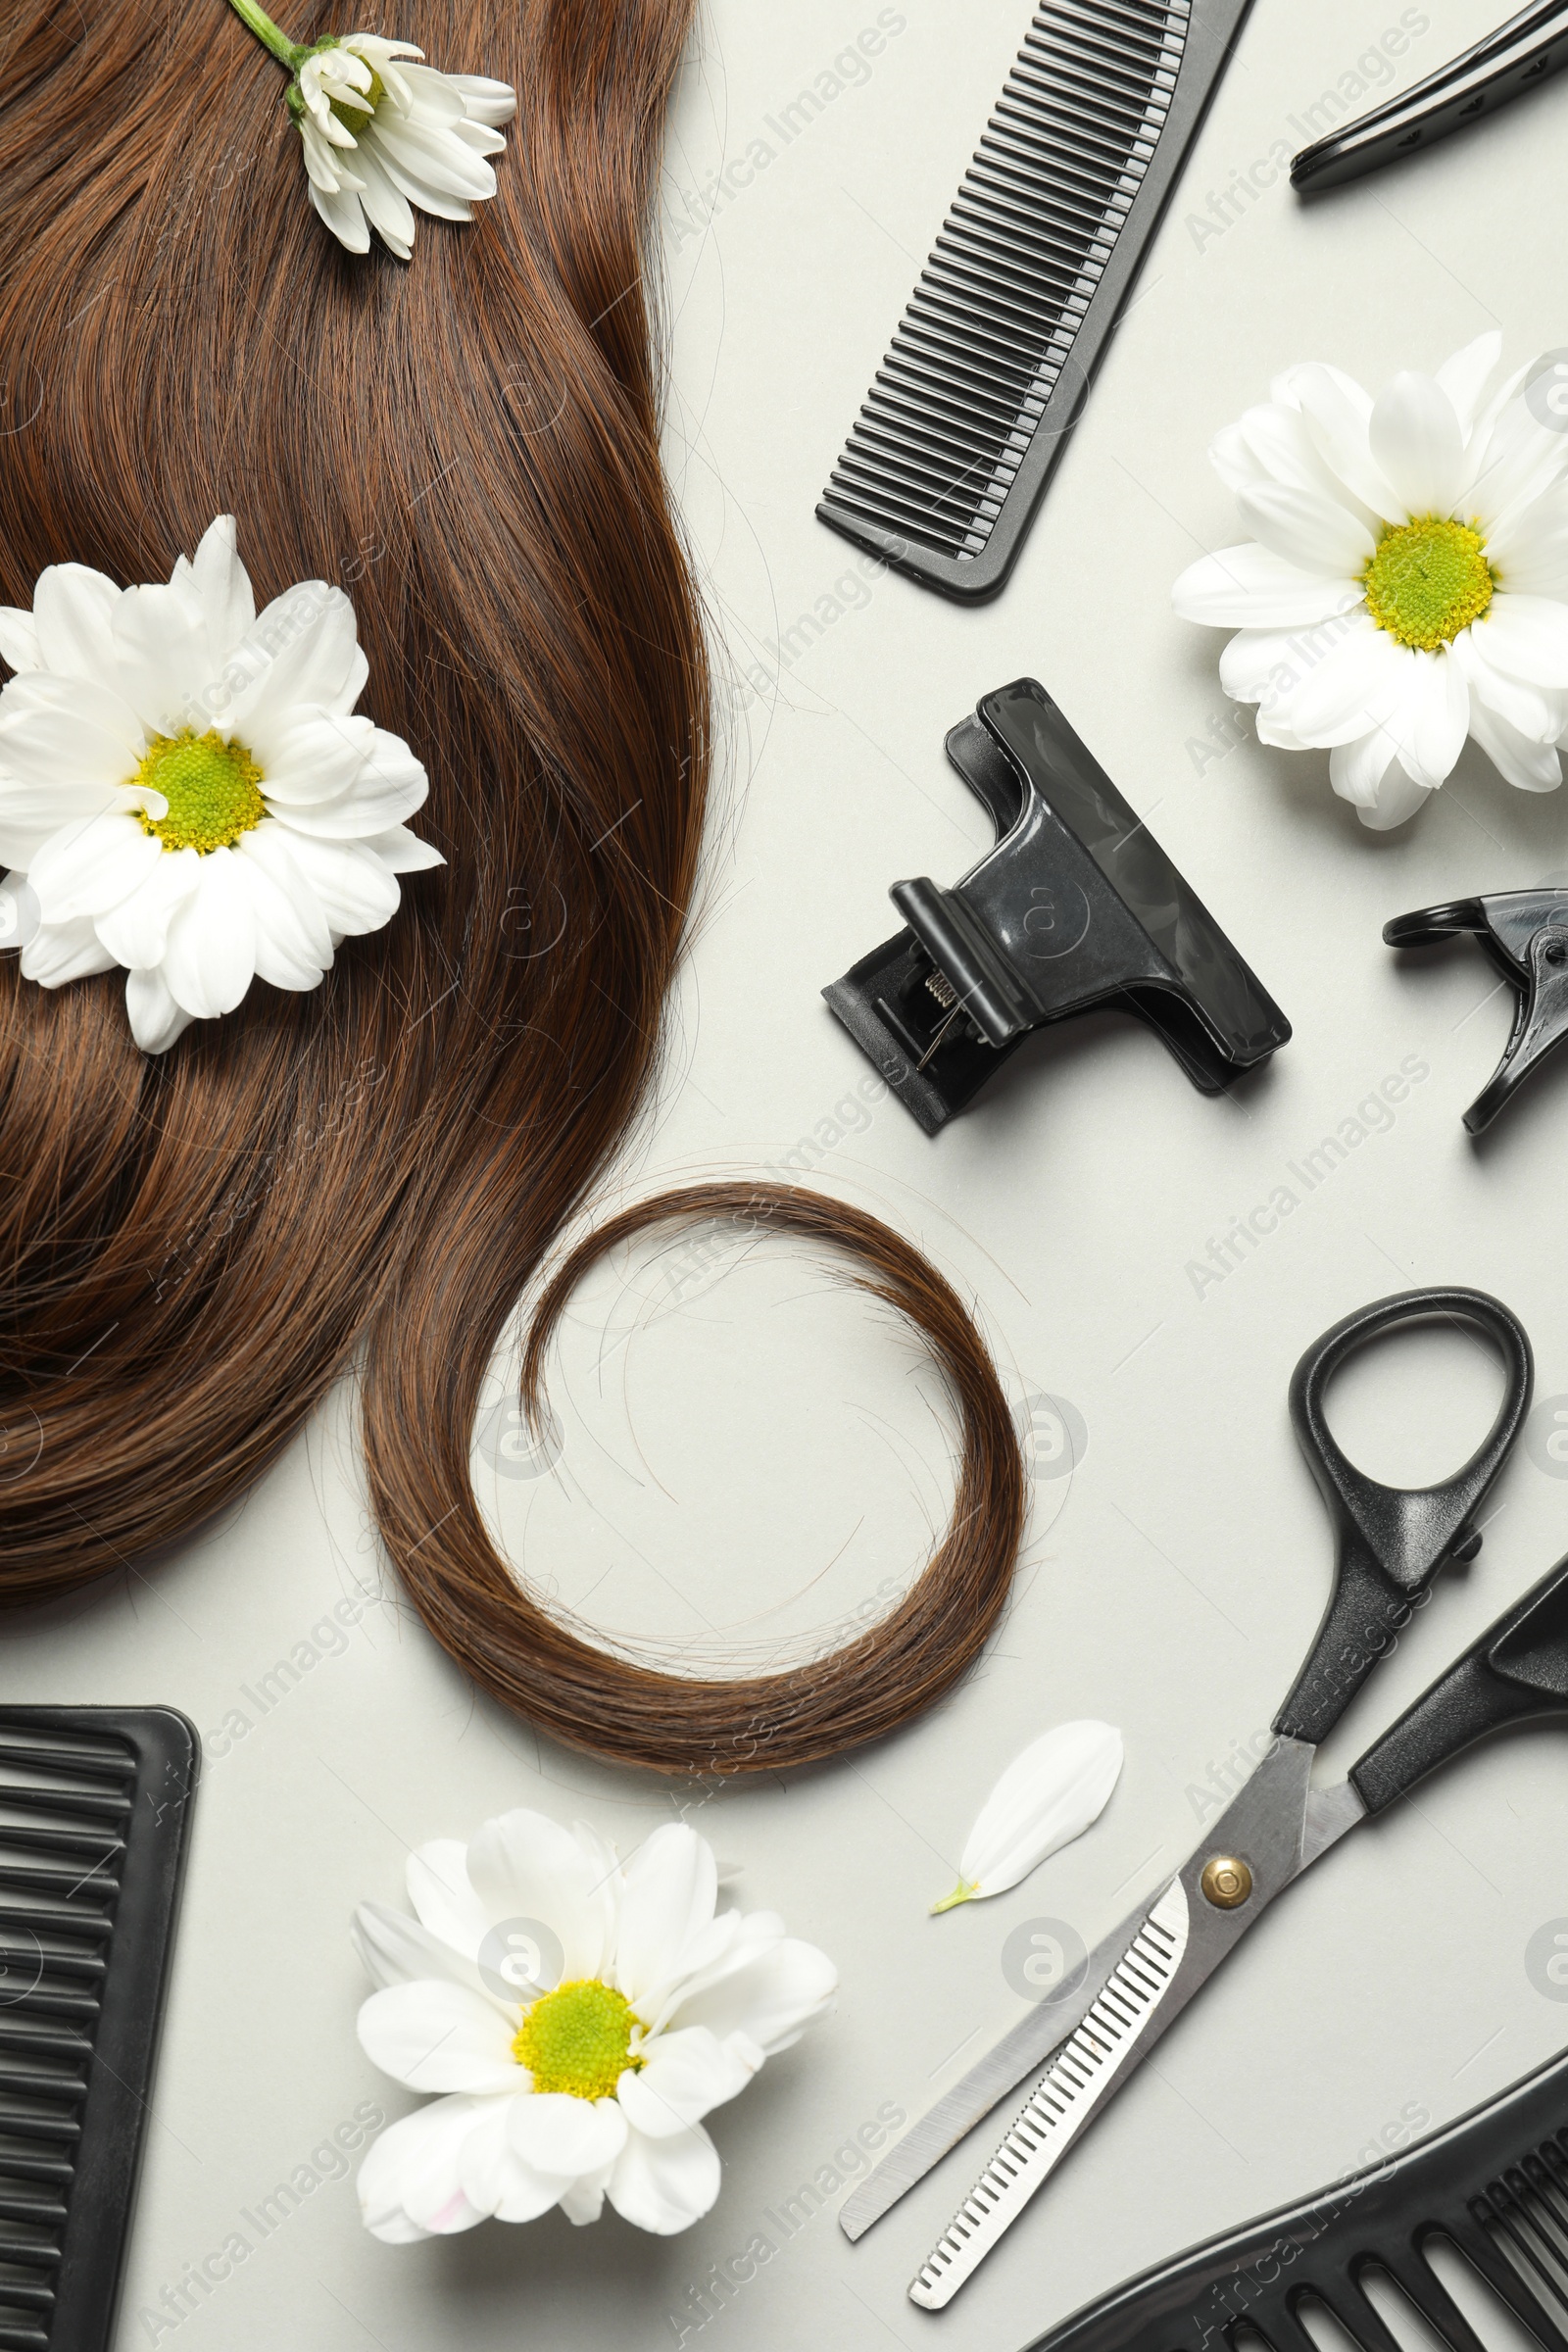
[1408,583]
[580,2017]
[383,136]
[186,790]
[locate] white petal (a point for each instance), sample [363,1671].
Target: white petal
[1265,666]
[1048,1795]
[409,2183]
[1526,636]
[525,1867]
[164,665]
[67,738]
[492,102]
[386,208]
[1308,529]
[18,639]
[430,159]
[72,608]
[1356,771]
[1463,378]
[442,1893]
[399,1950]
[771,2000]
[304,650]
[1417,444]
[494,2177]
[404,852]
[669,1889]
[584,2200]
[210,959]
[224,587]
[436,2035]
[1433,720]
[553,2133]
[62,952]
[136,931]
[666,2185]
[288,933]
[19,911]
[388,785]
[353,890]
[1539,712]
[156,1020]
[1521,460]
[1532,767]
[682,2077]
[1250,587]
[268,846]
[91,865]
[1338,415]
[344,216]
[1398,798]
[1346,690]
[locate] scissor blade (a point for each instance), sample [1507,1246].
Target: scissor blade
[1083,2074]
[1256,1848]
[1021,2051]
[1264,1824]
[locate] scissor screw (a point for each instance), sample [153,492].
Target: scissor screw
[1226,1881]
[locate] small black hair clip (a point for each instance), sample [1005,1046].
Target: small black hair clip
[1076,907]
[1525,934]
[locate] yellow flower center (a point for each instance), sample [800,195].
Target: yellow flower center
[354,113]
[577,2039]
[213,789]
[1428,580]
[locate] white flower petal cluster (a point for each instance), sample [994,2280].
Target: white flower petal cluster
[384,138]
[1407,584]
[1050,1793]
[578,2017]
[186,790]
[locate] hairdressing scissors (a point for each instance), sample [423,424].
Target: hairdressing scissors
[1516,57]
[1091,2031]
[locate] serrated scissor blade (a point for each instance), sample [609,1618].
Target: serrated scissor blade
[1020,2053]
[1064,2099]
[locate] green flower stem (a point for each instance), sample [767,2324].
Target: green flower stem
[962,1894]
[287,53]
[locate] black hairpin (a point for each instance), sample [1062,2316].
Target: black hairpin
[1524,933]
[1077,907]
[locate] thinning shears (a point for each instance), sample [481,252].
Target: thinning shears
[1391,1543]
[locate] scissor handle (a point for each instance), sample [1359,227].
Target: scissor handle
[1517,1669]
[1389,1542]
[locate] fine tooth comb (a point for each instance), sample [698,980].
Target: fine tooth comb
[1492,2185]
[95,1806]
[993,358]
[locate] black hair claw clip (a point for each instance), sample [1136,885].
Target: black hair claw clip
[1524,933]
[1077,907]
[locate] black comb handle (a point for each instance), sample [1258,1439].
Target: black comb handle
[1482,2179]
[1517,1669]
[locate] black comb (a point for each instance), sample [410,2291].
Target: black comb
[992,360]
[1495,2186]
[94,1805]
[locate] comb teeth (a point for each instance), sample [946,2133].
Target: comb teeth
[1471,2219]
[991,355]
[92,1817]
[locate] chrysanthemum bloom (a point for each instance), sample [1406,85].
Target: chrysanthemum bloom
[1408,583]
[383,137]
[580,2017]
[186,790]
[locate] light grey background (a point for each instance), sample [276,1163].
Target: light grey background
[749,1455]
